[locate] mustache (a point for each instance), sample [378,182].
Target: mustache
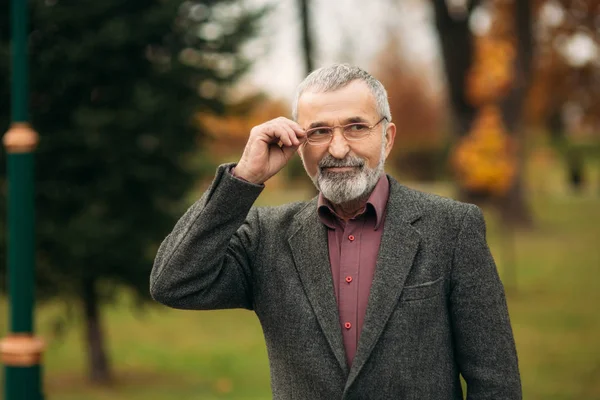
[350,161]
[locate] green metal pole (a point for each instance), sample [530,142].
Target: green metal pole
[21,351]
[20,241]
[20,64]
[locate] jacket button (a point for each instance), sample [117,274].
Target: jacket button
[347,325]
[348,279]
[351,238]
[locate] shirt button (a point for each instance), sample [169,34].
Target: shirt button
[348,279]
[347,325]
[351,238]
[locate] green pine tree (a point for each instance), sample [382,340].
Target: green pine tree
[114,85]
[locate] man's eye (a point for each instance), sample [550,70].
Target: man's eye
[357,127]
[320,132]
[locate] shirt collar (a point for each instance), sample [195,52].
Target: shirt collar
[377,202]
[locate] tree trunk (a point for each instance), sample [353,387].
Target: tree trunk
[456,42]
[573,157]
[457,52]
[98,365]
[307,43]
[513,207]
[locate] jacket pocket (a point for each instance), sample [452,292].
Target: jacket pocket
[423,290]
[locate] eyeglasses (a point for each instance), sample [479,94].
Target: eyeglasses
[352,132]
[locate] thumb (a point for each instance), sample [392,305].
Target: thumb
[289,151]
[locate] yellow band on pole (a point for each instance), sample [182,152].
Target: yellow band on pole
[20,138]
[21,350]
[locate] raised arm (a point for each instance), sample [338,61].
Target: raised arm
[485,348]
[207,260]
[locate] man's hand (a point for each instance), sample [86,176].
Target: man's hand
[263,156]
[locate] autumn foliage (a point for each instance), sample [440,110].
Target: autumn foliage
[491,75]
[484,160]
[567,65]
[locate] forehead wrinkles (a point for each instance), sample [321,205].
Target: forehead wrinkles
[349,101]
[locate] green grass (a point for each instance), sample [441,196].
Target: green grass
[554,307]
[169,354]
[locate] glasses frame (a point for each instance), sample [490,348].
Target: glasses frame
[333,128]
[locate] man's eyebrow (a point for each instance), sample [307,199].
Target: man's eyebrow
[318,124]
[346,121]
[352,120]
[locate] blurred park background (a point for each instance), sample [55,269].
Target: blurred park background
[136,102]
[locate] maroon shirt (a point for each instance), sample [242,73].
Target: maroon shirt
[353,249]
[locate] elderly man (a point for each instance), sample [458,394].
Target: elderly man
[371,290]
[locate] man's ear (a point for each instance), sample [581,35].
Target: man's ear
[390,136]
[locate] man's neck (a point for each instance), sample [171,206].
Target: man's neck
[352,208]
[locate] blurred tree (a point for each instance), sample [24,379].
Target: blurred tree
[114,88]
[456,38]
[567,61]
[307,36]
[418,111]
[565,96]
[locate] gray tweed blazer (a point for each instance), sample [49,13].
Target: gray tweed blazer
[436,309]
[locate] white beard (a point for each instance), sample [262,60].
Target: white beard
[344,187]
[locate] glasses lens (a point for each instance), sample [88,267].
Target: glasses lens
[356,131]
[319,135]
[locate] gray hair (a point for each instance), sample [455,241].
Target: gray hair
[336,76]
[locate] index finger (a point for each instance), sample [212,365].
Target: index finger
[295,126]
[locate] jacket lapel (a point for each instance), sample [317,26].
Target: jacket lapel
[399,245]
[311,256]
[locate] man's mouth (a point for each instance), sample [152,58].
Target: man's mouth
[339,169]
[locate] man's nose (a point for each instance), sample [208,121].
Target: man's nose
[338,147]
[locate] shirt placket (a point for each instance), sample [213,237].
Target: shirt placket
[348,284]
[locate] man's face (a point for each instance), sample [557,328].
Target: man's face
[344,170]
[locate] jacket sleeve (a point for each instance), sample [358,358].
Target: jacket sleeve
[484,344]
[206,261]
